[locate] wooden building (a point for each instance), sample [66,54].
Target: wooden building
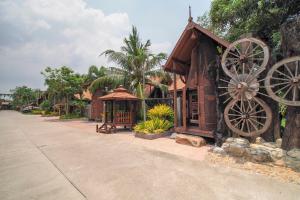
[194,54]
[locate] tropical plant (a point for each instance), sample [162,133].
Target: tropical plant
[153,126]
[106,83]
[136,63]
[161,111]
[93,73]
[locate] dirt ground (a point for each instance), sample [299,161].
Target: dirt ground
[268,169]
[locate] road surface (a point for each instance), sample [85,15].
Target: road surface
[46,159]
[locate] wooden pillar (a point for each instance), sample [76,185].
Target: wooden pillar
[184,108]
[175,100]
[104,112]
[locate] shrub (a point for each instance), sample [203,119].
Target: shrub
[153,126]
[161,111]
[45,105]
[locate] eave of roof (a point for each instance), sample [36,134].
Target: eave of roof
[184,39]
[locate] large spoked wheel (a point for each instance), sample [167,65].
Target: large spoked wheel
[245,56]
[249,117]
[283,81]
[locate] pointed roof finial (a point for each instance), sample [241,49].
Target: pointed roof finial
[190,14]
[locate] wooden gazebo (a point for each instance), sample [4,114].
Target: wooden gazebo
[119,110]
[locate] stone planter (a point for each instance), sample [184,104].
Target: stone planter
[152,136]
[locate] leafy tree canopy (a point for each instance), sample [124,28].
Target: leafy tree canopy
[22,96]
[232,18]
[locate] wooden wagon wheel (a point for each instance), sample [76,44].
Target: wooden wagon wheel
[283,81]
[242,86]
[248,118]
[245,56]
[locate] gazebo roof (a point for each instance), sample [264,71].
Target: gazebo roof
[119,93]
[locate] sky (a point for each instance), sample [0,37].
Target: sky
[35,34]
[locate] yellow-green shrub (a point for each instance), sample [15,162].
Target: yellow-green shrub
[161,111]
[153,126]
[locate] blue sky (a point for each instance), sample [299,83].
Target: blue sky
[39,33]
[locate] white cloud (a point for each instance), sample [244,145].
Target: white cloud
[39,33]
[54,33]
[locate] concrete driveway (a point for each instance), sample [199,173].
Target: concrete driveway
[46,159]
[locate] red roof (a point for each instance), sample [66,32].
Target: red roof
[119,94]
[185,44]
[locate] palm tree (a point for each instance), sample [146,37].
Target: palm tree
[93,73]
[137,65]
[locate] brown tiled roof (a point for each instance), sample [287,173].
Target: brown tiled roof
[119,94]
[179,84]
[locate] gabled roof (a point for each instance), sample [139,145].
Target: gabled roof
[182,50]
[119,93]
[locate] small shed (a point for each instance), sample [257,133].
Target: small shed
[193,56]
[119,109]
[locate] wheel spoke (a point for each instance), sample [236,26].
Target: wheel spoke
[246,51]
[243,124]
[235,115]
[253,124]
[229,52]
[288,69]
[248,127]
[283,74]
[252,114]
[260,117]
[284,83]
[235,119]
[294,92]
[281,79]
[255,54]
[238,123]
[286,93]
[281,89]
[257,122]
[254,49]
[236,111]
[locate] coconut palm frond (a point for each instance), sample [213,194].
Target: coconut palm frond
[105,82]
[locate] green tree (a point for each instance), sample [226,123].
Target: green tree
[22,96]
[261,17]
[62,84]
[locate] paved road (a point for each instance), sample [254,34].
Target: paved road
[48,160]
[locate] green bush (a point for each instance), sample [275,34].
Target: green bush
[45,105]
[161,111]
[153,126]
